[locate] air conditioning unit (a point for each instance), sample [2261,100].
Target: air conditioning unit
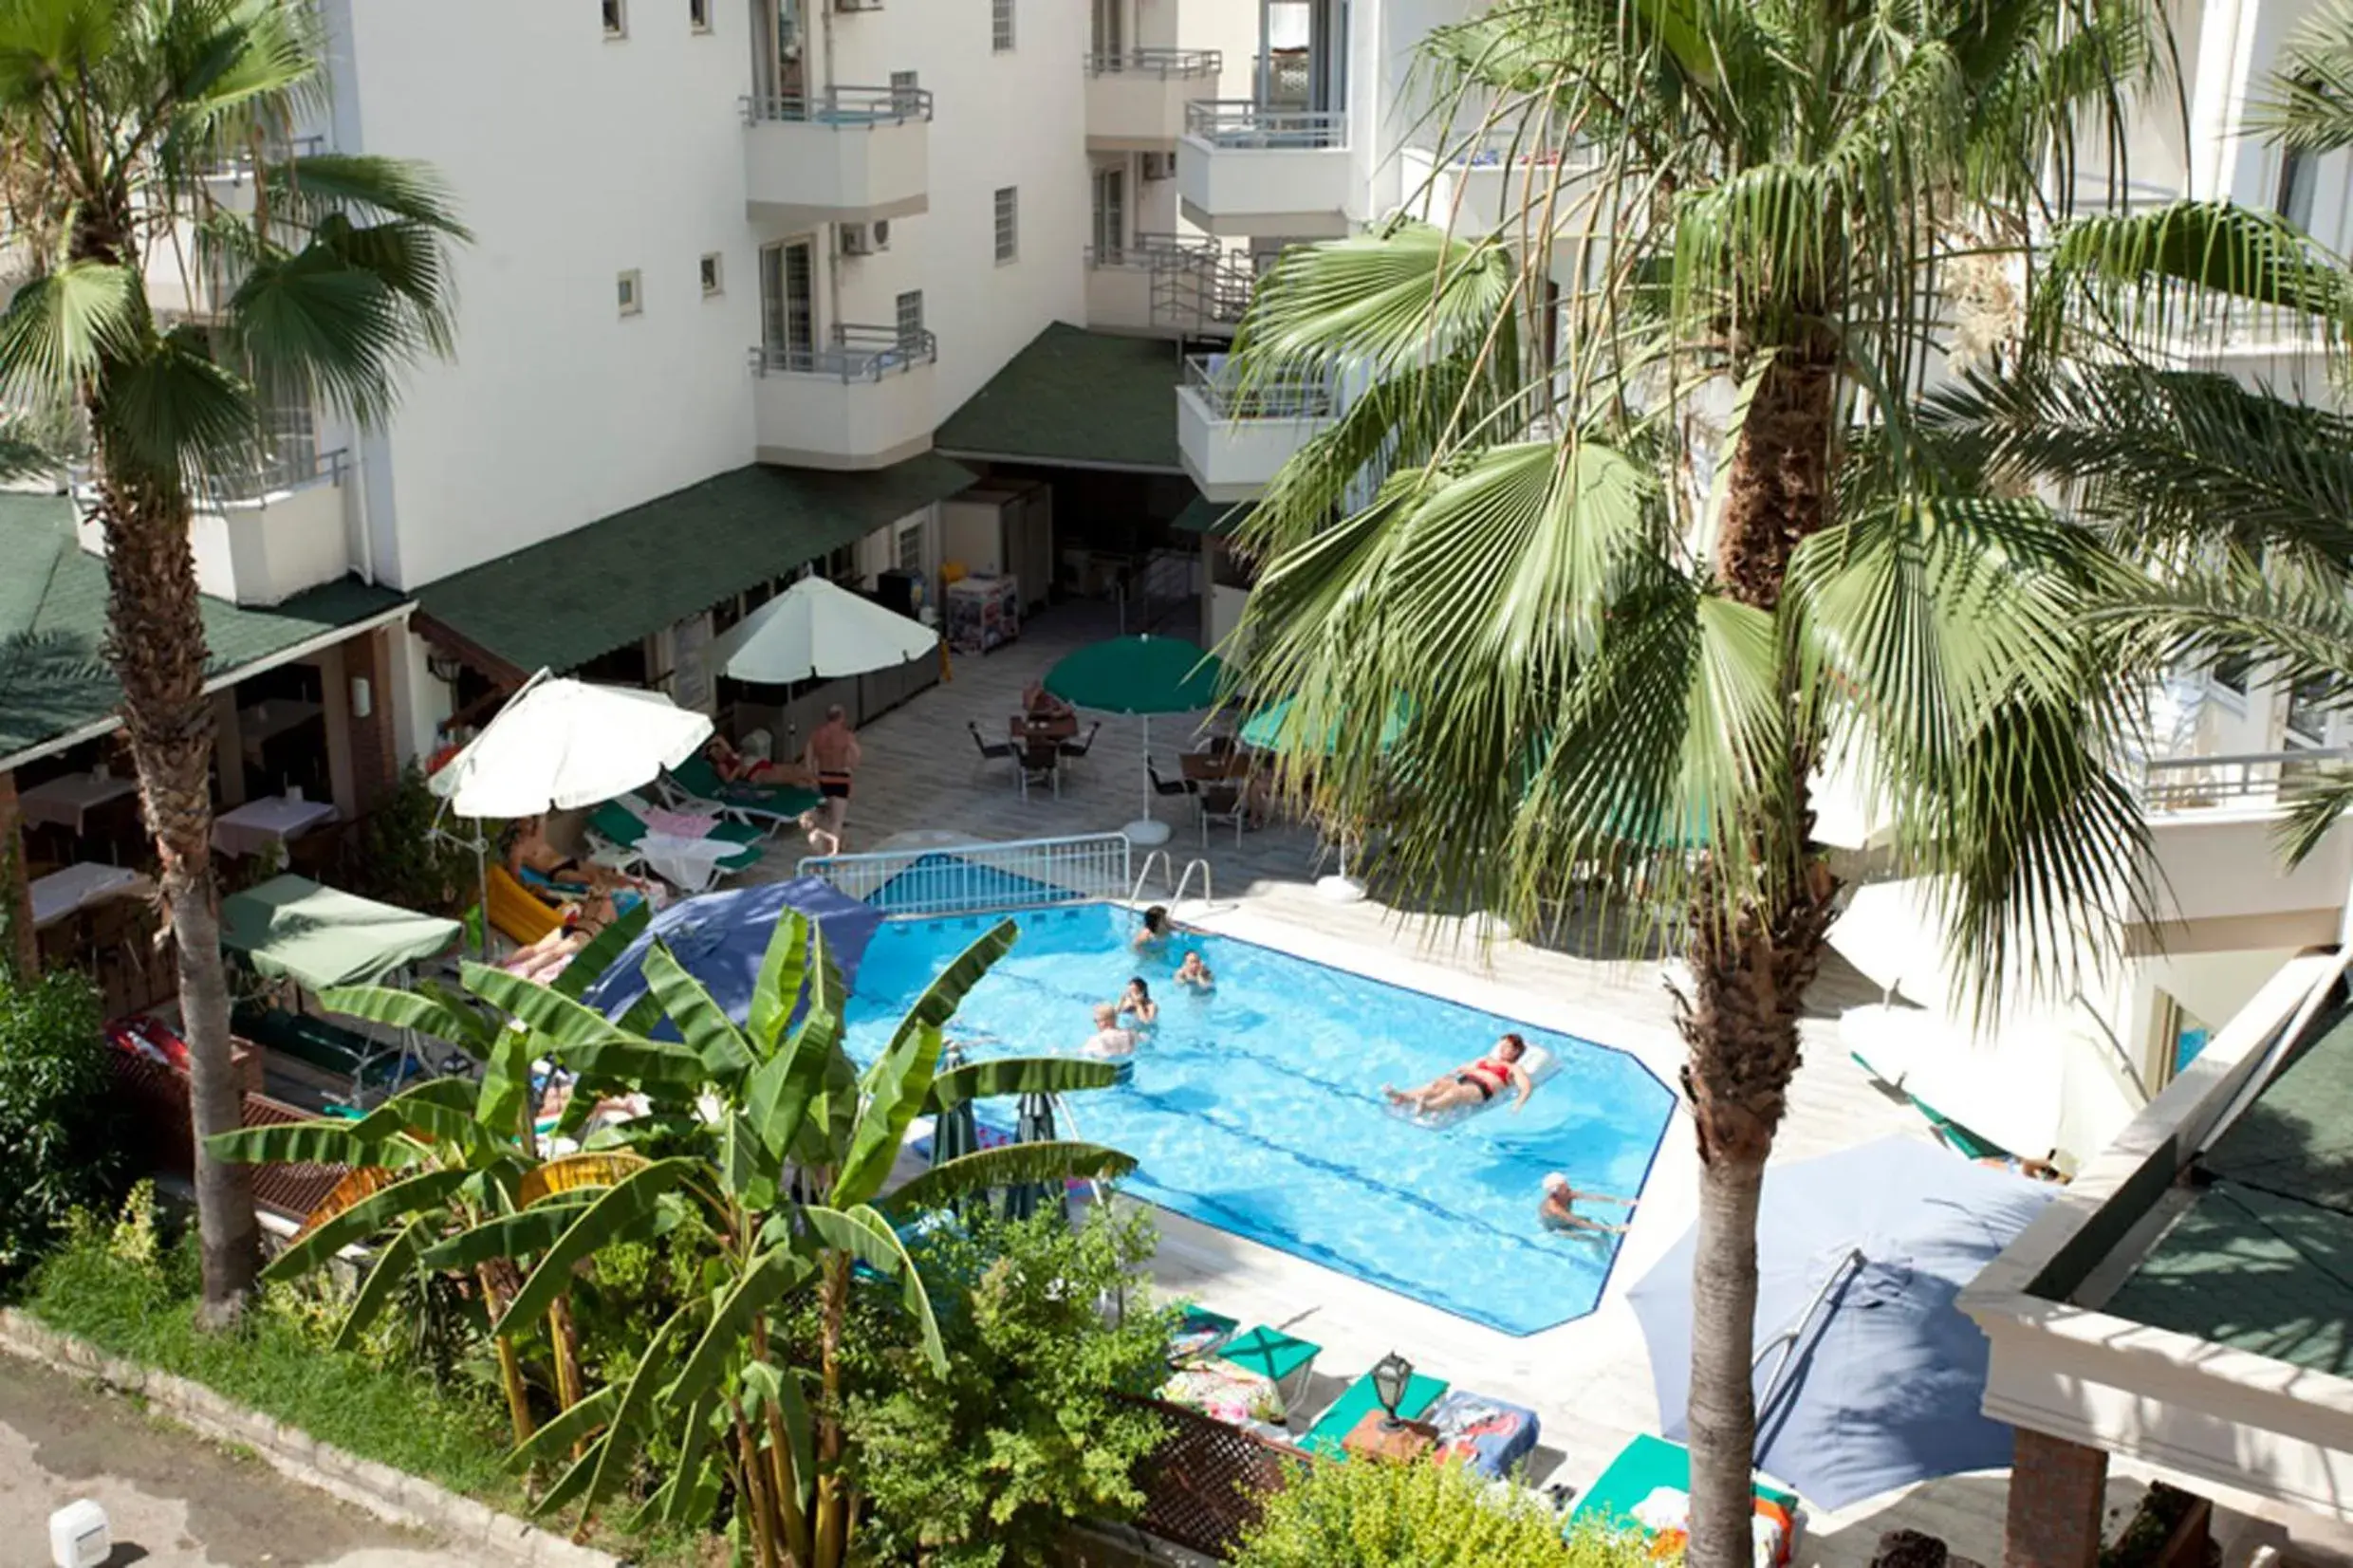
[1159,166]
[864,239]
[857,5]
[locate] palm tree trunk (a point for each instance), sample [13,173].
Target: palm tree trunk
[1779,488]
[156,644]
[19,950]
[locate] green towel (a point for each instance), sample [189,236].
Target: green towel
[1272,1353]
[1641,1468]
[1333,1426]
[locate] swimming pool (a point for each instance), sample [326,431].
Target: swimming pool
[1259,1110]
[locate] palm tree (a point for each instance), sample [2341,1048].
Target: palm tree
[1634,593]
[116,112]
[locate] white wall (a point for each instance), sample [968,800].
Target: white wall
[1014,119]
[572,157]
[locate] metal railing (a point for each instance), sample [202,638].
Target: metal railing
[858,354]
[1163,63]
[1213,379]
[239,168]
[1202,290]
[2179,784]
[978,879]
[1243,124]
[1151,251]
[250,484]
[844,108]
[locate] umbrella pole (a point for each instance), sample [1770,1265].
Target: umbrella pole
[1147,776]
[482,885]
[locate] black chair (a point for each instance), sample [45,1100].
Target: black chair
[1168,787]
[1040,762]
[992,751]
[1076,748]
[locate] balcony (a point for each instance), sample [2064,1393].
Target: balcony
[865,402]
[1243,169]
[1233,438]
[1136,101]
[1496,182]
[263,536]
[847,155]
[1162,283]
[2211,826]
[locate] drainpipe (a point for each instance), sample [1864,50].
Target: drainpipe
[1265,49]
[833,262]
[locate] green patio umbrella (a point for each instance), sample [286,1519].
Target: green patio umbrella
[1139,675]
[1265,730]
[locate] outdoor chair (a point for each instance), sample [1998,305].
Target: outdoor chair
[696,784]
[993,751]
[1225,801]
[1075,749]
[1041,761]
[1166,787]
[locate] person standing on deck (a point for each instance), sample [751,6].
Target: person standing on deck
[833,753]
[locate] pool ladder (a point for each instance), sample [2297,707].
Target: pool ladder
[1186,880]
[1168,874]
[1176,884]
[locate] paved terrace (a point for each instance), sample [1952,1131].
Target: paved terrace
[1589,1380]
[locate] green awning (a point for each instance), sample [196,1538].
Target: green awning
[1212,519]
[292,928]
[1076,398]
[561,602]
[53,677]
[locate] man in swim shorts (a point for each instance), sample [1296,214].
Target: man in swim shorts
[1559,1209]
[1474,1083]
[1110,1042]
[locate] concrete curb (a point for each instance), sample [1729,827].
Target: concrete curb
[387,1493]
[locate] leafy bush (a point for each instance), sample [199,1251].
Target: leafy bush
[56,1120]
[1024,1432]
[1372,1515]
[402,862]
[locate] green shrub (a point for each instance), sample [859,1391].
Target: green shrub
[56,1118]
[1024,1432]
[402,862]
[1371,1515]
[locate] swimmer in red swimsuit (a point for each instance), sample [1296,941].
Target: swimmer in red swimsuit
[1474,1083]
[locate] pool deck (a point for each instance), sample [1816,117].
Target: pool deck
[1589,1380]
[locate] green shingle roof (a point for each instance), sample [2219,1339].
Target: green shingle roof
[53,679]
[2262,1261]
[1215,519]
[561,602]
[1079,398]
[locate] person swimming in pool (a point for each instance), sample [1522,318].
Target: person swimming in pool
[1559,1209]
[1474,1083]
[1154,933]
[1194,973]
[1137,1002]
[1110,1042]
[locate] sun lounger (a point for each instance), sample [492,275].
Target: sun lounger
[1960,1139]
[618,823]
[1628,1496]
[1357,1401]
[697,779]
[1199,1332]
[518,912]
[1283,1360]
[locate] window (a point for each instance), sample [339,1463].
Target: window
[616,18]
[788,304]
[1110,217]
[911,316]
[711,275]
[699,15]
[2298,176]
[905,92]
[911,549]
[2308,704]
[632,292]
[1001,24]
[1009,224]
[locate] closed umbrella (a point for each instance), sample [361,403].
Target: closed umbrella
[1868,1375]
[1139,675]
[814,631]
[560,744]
[955,1133]
[1034,1124]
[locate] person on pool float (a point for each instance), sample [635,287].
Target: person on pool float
[1474,1084]
[1154,934]
[1110,1042]
[1137,1000]
[1559,1209]
[1194,973]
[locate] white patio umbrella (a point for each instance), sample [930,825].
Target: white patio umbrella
[560,744]
[814,630]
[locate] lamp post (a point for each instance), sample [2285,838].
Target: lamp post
[1391,1374]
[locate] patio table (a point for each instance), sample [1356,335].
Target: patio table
[67,801]
[272,820]
[78,886]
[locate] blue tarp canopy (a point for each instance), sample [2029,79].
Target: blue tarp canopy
[721,937]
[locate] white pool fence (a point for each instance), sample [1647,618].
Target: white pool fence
[974,877]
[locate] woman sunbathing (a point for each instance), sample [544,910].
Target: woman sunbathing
[732,766]
[540,866]
[1474,1083]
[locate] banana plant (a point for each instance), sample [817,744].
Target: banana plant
[442,1161]
[784,1112]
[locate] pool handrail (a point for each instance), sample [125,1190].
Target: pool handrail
[1168,872]
[1209,894]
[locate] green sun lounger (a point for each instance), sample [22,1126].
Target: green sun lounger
[615,821]
[1641,1468]
[1960,1139]
[1332,1427]
[697,779]
[1280,1359]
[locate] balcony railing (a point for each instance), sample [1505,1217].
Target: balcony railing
[1228,397]
[1162,64]
[848,109]
[2178,784]
[238,167]
[1239,124]
[248,484]
[1149,252]
[858,354]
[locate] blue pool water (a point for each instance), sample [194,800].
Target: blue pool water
[1259,1110]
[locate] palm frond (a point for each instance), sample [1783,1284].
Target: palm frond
[2308,103]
